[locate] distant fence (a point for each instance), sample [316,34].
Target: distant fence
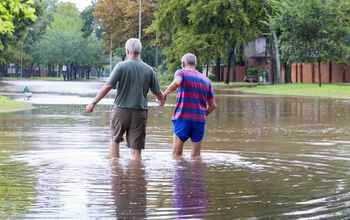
[43,73]
[331,72]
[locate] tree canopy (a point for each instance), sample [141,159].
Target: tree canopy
[312,30]
[11,10]
[119,19]
[206,28]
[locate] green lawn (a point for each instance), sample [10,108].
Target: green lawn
[8,104]
[341,90]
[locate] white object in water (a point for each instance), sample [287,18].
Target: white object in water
[27,95]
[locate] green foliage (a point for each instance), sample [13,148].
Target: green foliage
[304,89]
[254,71]
[165,78]
[212,77]
[313,30]
[88,25]
[205,28]
[119,20]
[9,10]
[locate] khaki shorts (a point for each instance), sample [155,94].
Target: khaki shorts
[131,121]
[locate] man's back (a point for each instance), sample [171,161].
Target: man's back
[134,79]
[192,95]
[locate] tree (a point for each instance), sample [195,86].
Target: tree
[119,19]
[313,30]
[9,9]
[89,24]
[206,28]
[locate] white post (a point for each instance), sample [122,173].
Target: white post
[21,58]
[140,22]
[110,59]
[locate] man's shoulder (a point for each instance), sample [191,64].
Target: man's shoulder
[193,73]
[141,64]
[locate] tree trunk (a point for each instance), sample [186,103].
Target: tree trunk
[207,69]
[277,58]
[265,61]
[31,70]
[319,73]
[2,69]
[288,72]
[272,63]
[64,74]
[229,58]
[234,65]
[76,68]
[39,74]
[217,69]
[49,69]
[156,57]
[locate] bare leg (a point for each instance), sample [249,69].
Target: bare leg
[136,155]
[196,148]
[113,149]
[178,145]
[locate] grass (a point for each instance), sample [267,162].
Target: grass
[341,90]
[10,105]
[231,84]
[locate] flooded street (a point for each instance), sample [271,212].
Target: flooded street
[263,157]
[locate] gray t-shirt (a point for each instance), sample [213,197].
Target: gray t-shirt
[134,79]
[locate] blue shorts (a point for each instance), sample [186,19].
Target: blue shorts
[185,129]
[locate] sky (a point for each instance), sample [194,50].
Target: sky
[81,4]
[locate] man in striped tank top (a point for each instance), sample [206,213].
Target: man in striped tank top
[194,91]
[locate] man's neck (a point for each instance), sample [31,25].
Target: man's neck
[189,67]
[134,56]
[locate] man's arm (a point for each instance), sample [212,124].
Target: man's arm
[100,95]
[211,106]
[172,87]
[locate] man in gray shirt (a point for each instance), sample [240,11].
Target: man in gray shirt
[134,79]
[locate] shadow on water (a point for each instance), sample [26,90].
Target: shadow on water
[263,157]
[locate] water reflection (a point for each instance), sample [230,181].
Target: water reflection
[129,189]
[189,199]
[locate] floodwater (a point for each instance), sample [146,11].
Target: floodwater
[263,157]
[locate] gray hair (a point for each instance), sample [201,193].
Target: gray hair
[133,45]
[189,59]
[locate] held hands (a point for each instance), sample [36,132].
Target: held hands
[161,102]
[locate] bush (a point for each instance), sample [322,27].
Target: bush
[165,78]
[212,77]
[254,71]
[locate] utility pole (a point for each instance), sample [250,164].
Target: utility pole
[110,59]
[21,58]
[140,22]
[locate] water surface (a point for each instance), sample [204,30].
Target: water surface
[263,157]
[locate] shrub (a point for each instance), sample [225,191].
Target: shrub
[254,71]
[165,78]
[212,77]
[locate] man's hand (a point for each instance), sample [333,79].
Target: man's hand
[90,108]
[160,98]
[161,102]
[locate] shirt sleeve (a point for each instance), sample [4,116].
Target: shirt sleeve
[210,92]
[155,88]
[114,77]
[179,74]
